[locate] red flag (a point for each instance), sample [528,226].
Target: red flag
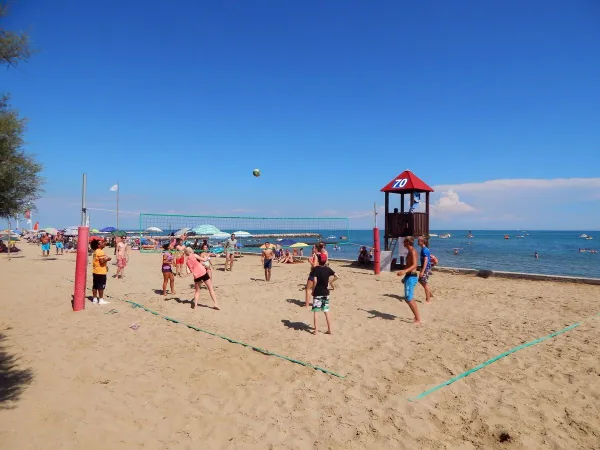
[36,226]
[28,214]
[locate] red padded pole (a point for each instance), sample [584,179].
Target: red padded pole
[377,251]
[81,268]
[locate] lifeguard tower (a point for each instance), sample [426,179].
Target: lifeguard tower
[406,221]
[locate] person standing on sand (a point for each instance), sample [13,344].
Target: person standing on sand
[179,257]
[425,268]
[320,293]
[230,245]
[410,277]
[167,270]
[100,269]
[196,264]
[60,243]
[266,258]
[45,241]
[122,257]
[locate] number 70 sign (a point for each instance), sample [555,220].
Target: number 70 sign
[400,183]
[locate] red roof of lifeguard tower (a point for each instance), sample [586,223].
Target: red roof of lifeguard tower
[406,182]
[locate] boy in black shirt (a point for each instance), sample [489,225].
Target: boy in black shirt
[321,275]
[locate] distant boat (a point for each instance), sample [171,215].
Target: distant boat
[433,235]
[520,236]
[445,236]
[584,236]
[589,238]
[506,236]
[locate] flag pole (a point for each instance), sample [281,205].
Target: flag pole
[118,189]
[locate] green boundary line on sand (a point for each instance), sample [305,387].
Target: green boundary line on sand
[496,358]
[233,341]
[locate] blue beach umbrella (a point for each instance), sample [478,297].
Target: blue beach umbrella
[108,230]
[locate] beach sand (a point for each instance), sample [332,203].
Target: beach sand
[86,380]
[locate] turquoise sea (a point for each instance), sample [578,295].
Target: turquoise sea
[558,250]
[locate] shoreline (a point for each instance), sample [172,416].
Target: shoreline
[494,273]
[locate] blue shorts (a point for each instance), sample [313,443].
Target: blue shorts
[268,263]
[46,247]
[410,281]
[59,245]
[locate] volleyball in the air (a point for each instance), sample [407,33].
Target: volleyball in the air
[256,173]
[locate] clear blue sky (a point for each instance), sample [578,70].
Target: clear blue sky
[179,101]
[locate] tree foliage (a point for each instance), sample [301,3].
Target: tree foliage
[14,47]
[20,182]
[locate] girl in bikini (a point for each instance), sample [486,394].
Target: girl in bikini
[167,270]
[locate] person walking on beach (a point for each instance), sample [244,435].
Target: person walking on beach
[266,258]
[196,264]
[410,277]
[230,246]
[320,292]
[179,257]
[45,241]
[167,270]
[122,257]
[59,243]
[425,268]
[99,271]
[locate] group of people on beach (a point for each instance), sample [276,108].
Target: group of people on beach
[319,284]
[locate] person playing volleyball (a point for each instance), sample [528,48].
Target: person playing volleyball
[197,266]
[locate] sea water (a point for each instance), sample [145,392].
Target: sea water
[558,251]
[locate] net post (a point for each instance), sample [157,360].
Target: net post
[376,251]
[80,268]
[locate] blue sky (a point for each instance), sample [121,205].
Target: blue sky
[179,101]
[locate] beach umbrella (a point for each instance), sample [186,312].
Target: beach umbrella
[108,230]
[119,233]
[220,235]
[299,245]
[49,230]
[6,236]
[242,234]
[71,232]
[154,229]
[94,230]
[286,242]
[205,230]
[182,232]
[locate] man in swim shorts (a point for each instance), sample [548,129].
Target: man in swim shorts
[59,243]
[425,268]
[410,277]
[266,258]
[122,257]
[230,245]
[45,241]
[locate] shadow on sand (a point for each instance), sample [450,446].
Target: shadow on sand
[13,380]
[295,301]
[378,314]
[298,326]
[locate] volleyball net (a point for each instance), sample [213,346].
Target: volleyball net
[250,231]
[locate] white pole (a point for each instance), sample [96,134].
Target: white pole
[83,208]
[118,189]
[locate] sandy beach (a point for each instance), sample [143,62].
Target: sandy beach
[87,380]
